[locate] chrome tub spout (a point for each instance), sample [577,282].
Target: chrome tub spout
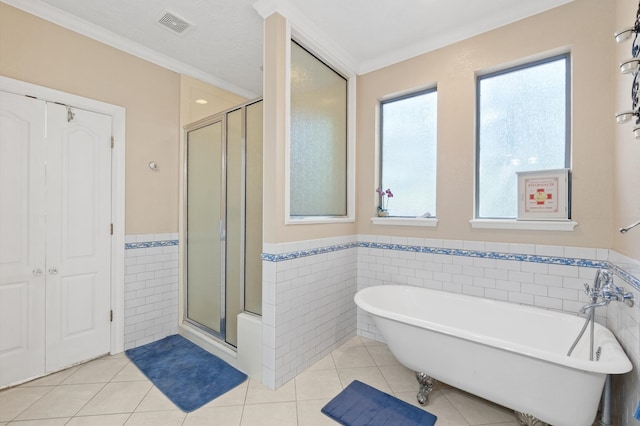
[585,308]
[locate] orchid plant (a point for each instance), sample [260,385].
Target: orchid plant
[384,198]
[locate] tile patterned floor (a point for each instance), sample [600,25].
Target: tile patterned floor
[112,391]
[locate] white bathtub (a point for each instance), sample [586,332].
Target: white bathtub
[510,354]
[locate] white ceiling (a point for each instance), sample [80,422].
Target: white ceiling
[224,47]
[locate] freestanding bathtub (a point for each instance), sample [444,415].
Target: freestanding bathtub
[511,354]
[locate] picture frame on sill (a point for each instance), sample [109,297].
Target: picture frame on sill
[544,195]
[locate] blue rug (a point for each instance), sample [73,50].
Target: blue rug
[187,374]
[361,405]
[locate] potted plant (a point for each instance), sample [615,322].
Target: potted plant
[383,204]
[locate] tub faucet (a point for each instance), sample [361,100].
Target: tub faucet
[604,288]
[585,308]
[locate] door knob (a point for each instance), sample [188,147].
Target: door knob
[37,272]
[53,270]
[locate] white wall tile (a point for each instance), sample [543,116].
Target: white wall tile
[151,290]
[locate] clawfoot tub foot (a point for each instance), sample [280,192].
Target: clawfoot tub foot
[529,420]
[426,386]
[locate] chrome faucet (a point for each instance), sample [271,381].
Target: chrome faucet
[585,308]
[604,288]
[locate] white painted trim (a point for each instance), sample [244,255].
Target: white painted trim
[525,225]
[405,221]
[118,115]
[86,28]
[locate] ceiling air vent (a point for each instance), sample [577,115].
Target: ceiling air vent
[175,23]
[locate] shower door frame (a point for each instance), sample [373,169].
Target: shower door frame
[222,118]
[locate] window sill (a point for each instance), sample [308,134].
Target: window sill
[405,221]
[312,220]
[524,225]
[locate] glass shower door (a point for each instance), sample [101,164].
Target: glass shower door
[205,227]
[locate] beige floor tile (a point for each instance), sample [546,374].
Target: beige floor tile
[475,410]
[369,375]
[155,400]
[129,373]
[352,356]
[236,396]
[53,379]
[354,341]
[400,378]
[309,413]
[105,420]
[439,406]
[225,415]
[257,393]
[157,418]
[381,355]
[120,355]
[14,401]
[42,422]
[63,401]
[120,397]
[273,414]
[325,363]
[369,342]
[98,371]
[316,384]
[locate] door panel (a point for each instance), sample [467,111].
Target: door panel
[78,236]
[22,227]
[205,226]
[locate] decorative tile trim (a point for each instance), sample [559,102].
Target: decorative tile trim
[150,244]
[306,253]
[490,255]
[634,281]
[552,260]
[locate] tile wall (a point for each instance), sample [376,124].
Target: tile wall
[307,304]
[309,287]
[151,288]
[625,324]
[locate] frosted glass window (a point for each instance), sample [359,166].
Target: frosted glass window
[409,154]
[523,125]
[318,137]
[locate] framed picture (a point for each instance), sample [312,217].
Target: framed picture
[543,195]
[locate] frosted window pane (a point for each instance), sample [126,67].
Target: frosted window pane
[318,146]
[409,154]
[522,119]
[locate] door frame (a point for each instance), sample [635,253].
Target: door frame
[118,116]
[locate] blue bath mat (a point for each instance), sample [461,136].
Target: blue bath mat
[361,405]
[187,374]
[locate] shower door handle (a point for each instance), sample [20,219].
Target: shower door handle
[221,230]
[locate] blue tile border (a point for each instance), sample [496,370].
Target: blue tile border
[150,244]
[551,260]
[306,253]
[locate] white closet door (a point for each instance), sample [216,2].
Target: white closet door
[78,236]
[22,231]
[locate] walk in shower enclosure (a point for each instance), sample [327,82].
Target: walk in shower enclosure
[222,191]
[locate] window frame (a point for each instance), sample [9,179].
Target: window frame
[330,60]
[391,99]
[481,221]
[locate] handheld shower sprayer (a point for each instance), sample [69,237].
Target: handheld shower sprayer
[633,225]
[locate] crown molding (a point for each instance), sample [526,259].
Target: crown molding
[309,32]
[49,13]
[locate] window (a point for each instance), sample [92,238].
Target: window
[318,137]
[409,153]
[523,125]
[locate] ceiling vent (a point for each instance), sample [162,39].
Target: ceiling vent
[175,23]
